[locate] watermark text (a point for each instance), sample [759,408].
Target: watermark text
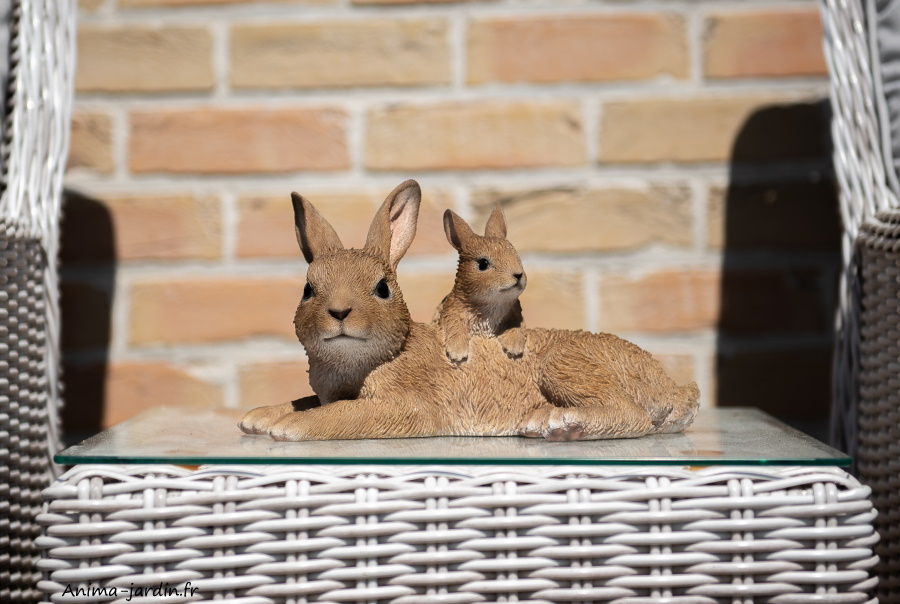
[162,590]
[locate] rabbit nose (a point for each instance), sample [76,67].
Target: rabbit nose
[518,277]
[340,315]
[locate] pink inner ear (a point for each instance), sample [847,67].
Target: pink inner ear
[401,233]
[398,241]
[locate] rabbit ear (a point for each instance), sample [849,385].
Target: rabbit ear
[496,224]
[458,232]
[394,225]
[314,234]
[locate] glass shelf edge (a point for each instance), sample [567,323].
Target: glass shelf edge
[70,461]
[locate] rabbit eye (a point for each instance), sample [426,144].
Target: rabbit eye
[382,290]
[483,264]
[307,291]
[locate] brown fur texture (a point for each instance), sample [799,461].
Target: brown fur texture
[485,296]
[387,377]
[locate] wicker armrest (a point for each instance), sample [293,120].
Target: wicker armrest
[878,250]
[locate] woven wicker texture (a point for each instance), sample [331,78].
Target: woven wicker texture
[36,135]
[864,177]
[879,438]
[263,534]
[24,421]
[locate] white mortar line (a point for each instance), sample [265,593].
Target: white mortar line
[221,59]
[788,88]
[462,202]
[591,284]
[703,374]
[601,176]
[121,311]
[231,386]
[121,130]
[591,123]
[458,50]
[696,24]
[700,210]
[229,212]
[356,124]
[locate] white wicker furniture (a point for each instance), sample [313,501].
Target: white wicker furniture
[35,145]
[861,40]
[450,532]
[461,534]
[866,183]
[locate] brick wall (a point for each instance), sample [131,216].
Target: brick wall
[663,165]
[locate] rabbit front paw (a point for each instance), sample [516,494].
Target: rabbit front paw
[457,350]
[291,427]
[259,420]
[514,342]
[552,423]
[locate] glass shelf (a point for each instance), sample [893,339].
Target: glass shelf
[732,436]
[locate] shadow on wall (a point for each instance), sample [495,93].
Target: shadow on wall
[780,237]
[87,276]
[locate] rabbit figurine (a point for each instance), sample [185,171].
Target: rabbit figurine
[485,296]
[379,375]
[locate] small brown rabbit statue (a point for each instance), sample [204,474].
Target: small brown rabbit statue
[379,375]
[485,296]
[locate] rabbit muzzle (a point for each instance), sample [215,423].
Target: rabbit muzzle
[343,337]
[518,285]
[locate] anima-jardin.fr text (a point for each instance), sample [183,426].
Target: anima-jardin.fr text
[163,590]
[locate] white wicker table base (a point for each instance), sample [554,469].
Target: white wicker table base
[416,534]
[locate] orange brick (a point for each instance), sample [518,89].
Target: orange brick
[478,135]
[143,59]
[577,48]
[575,220]
[741,302]
[135,387]
[91,144]
[99,396]
[680,367]
[553,299]
[266,223]
[764,44]
[174,3]
[145,228]
[700,129]
[273,383]
[232,141]
[430,238]
[376,52]
[213,310]
[667,301]
[422,292]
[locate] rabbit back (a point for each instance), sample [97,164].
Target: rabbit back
[491,394]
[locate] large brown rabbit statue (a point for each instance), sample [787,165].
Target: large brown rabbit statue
[379,375]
